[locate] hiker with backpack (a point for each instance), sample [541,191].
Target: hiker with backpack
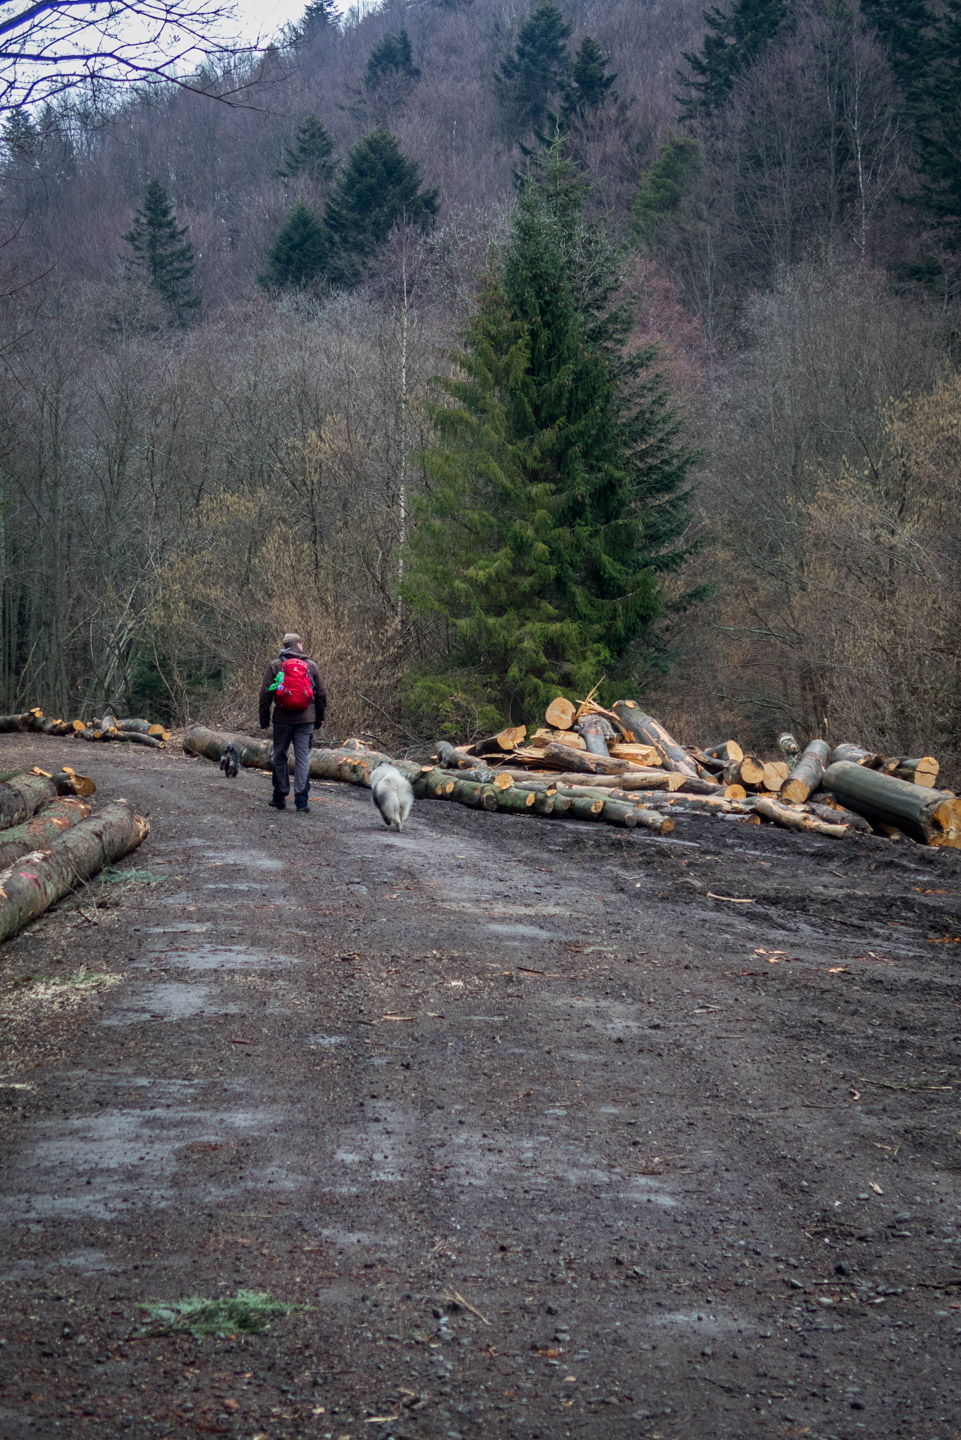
[293,686]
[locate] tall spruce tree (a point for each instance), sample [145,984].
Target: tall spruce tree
[298,255]
[590,85]
[535,71]
[162,254]
[310,153]
[556,496]
[391,58]
[376,187]
[732,43]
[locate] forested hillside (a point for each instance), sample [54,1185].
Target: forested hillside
[498,347]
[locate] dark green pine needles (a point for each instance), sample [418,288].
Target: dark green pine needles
[556,495]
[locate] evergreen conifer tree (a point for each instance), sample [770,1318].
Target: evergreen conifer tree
[376,187]
[667,187]
[162,254]
[298,255]
[732,43]
[310,153]
[536,69]
[556,494]
[392,57]
[590,85]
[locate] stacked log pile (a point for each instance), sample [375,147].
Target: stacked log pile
[50,843]
[131,731]
[622,767]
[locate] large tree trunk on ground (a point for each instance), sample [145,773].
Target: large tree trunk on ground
[51,821]
[805,777]
[9,723]
[42,877]
[932,817]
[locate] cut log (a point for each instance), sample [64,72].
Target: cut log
[806,775]
[560,713]
[637,754]
[40,878]
[797,819]
[595,732]
[923,771]
[10,723]
[629,715]
[773,779]
[570,738]
[22,796]
[134,737]
[789,747]
[629,780]
[451,759]
[50,821]
[836,814]
[562,757]
[748,771]
[854,755]
[673,756]
[503,742]
[931,817]
[720,756]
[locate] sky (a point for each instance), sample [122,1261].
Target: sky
[269,16]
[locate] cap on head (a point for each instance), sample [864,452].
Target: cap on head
[289,640]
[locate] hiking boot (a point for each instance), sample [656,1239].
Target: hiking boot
[302,809]
[279,802]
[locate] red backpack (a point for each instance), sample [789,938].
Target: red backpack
[293,688]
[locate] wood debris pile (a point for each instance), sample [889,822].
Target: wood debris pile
[623,756]
[50,842]
[623,768]
[107,727]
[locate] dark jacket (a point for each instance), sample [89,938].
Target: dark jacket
[314,713]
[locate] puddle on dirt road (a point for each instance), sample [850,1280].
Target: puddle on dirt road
[218,957]
[169,1001]
[100,1164]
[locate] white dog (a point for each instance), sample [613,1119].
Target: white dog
[392,795]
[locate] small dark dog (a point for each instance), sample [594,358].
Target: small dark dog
[230,761]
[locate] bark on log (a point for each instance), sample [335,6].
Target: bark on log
[560,713]
[22,796]
[562,757]
[748,771]
[595,732]
[673,756]
[931,817]
[451,759]
[797,819]
[501,743]
[9,723]
[630,780]
[806,775]
[836,814]
[923,771]
[50,821]
[720,756]
[629,715]
[854,755]
[42,877]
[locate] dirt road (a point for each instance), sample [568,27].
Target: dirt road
[551,1130]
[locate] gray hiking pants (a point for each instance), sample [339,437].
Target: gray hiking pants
[300,736]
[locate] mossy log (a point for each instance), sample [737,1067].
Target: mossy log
[10,723]
[805,776]
[932,817]
[40,878]
[51,820]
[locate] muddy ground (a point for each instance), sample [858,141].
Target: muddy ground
[548,1129]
